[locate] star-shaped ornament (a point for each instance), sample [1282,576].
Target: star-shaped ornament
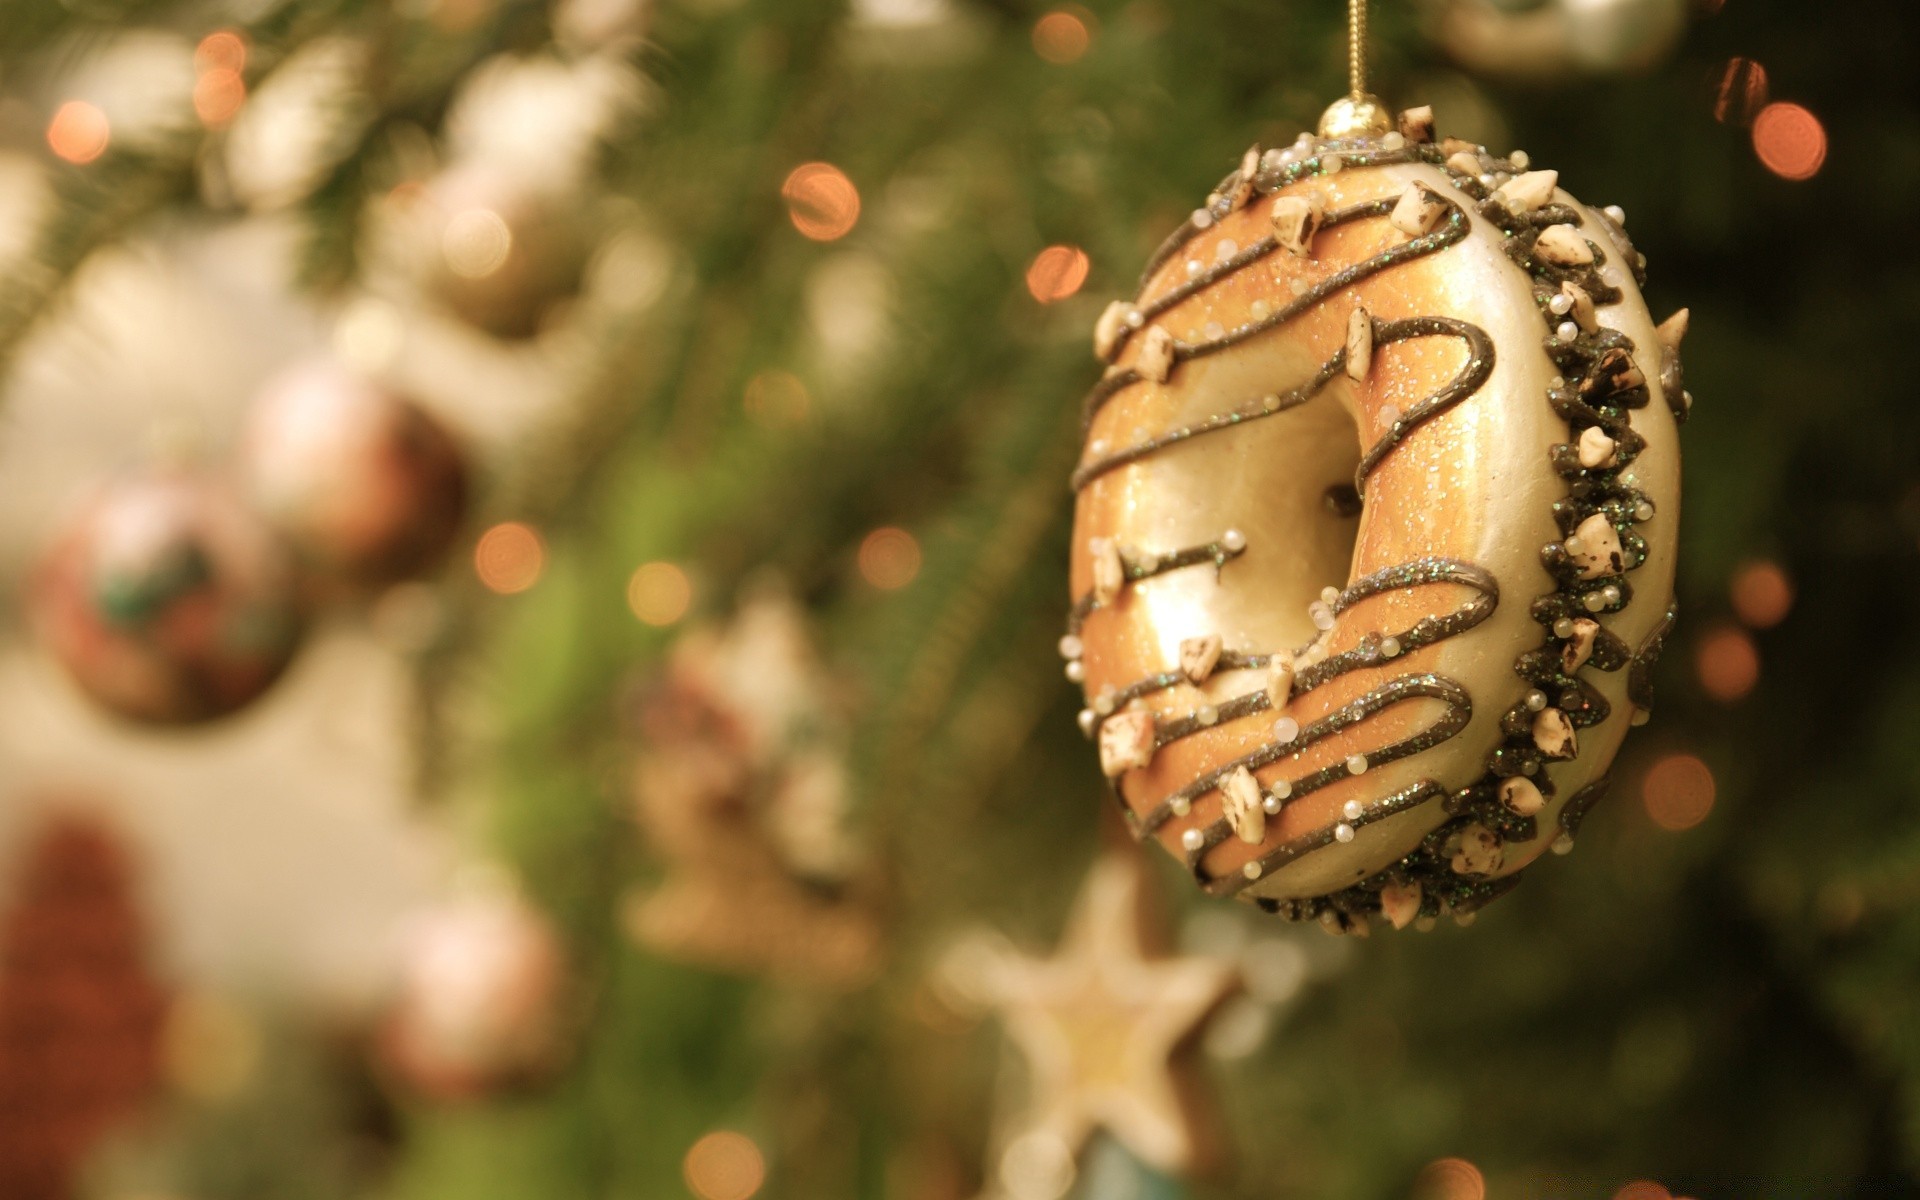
[1105,1024]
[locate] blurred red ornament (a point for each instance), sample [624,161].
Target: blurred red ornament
[80,1016]
[478,1009]
[167,600]
[365,485]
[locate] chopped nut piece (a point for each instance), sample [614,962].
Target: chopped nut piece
[1155,361]
[1480,851]
[1673,330]
[1418,212]
[1526,192]
[1198,656]
[1127,741]
[1240,803]
[1595,548]
[1521,796]
[1579,647]
[1112,328]
[1563,247]
[1279,680]
[1454,145]
[1597,450]
[1400,903]
[1464,163]
[1243,181]
[1296,219]
[1614,373]
[1359,344]
[1583,312]
[1109,570]
[1416,124]
[1553,733]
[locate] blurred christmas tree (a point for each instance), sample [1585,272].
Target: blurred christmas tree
[753,683]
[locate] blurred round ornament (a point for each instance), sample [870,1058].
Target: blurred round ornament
[365,485]
[481,980]
[497,252]
[1545,40]
[168,600]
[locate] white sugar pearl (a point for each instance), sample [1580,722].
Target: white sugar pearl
[1594,601]
[1352,810]
[1214,331]
[1536,700]
[1202,219]
[1086,719]
[1226,249]
[1394,141]
[1271,804]
[1282,789]
[1390,647]
[1563,627]
[1530,767]
[1206,714]
[1180,806]
[1612,594]
[1194,267]
[1332,163]
[1329,595]
[1193,839]
[1251,870]
[1561,304]
[1465,919]
[1286,729]
[1103,703]
[1076,671]
[1563,844]
[1258,310]
[1070,647]
[1568,331]
[1643,511]
[1097,446]
[1357,764]
[1321,614]
[1233,541]
[1520,160]
[1616,214]
[1343,832]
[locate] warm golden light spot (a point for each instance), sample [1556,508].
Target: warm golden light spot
[510,557]
[78,132]
[1728,663]
[1678,792]
[1642,1189]
[221,50]
[1762,593]
[889,558]
[1450,1179]
[1062,36]
[659,593]
[776,398]
[724,1165]
[1739,91]
[218,95]
[476,243]
[1790,141]
[821,200]
[1056,273]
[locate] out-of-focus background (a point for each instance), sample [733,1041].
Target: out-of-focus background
[534,542]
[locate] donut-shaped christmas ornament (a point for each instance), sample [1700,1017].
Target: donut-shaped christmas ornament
[1375,527]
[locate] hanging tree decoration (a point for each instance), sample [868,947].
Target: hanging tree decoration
[1376,523]
[1546,41]
[168,600]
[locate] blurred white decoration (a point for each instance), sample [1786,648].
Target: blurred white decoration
[480,989]
[538,118]
[304,119]
[901,14]
[143,81]
[632,270]
[1543,40]
[26,199]
[849,300]
[588,26]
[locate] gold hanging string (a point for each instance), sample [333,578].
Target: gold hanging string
[1356,49]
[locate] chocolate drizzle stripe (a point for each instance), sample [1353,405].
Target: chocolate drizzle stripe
[1479,366]
[1406,687]
[1640,669]
[1398,802]
[1581,802]
[1139,567]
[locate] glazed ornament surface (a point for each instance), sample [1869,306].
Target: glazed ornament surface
[168,601]
[1374,540]
[365,485]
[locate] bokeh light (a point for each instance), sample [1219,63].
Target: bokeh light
[1790,141]
[1450,1179]
[1762,593]
[1678,792]
[659,593]
[1727,662]
[822,202]
[221,50]
[1063,35]
[218,95]
[476,243]
[1739,91]
[510,557]
[776,398]
[1056,273]
[79,132]
[724,1165]
[889,558]
[1643,1189]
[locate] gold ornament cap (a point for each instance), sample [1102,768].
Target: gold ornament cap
[1364,115]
